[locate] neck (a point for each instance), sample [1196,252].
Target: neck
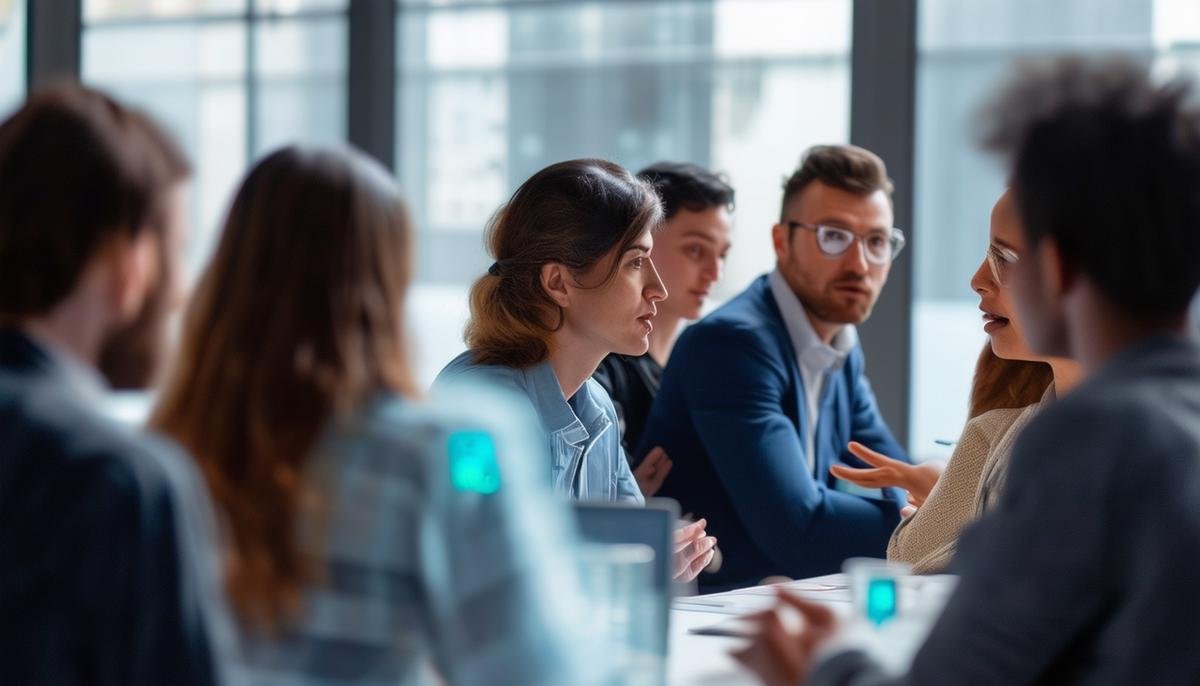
[662,338]
[1067,375]
[573,363]
[824,330]
[1098,331]
[74,327]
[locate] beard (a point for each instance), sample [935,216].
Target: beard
[829,305]
[131,355]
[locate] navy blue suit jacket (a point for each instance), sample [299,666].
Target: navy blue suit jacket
[107,577]
[731,415]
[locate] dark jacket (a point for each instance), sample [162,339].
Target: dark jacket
[107,569]
[1086,572]
[631,382]
[731,414]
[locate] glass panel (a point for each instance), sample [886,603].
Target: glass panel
[195,77]
[965,46]
[300,82]
[491,92]
[192,77]
[12,55]
[101,10]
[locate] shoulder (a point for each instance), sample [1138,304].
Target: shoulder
[464,372]
[79,460]
[987,429]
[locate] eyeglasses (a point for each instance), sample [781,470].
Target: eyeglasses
[880,247]
[999,260]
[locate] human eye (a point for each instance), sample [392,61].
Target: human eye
[638,262]
[694,252]
[878,241]
[834,236]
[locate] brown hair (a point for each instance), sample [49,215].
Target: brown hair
[1001,383]
[845,167]
[297,320]
[575,213]
[77,169]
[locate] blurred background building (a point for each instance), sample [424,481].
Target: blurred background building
[464,99]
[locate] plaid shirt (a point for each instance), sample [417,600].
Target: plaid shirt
[440,551]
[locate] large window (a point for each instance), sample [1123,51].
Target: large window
[489,93]
[232,79]
[12,54]
[965,46]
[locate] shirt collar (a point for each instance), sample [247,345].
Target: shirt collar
[809,348]
[84,381]
[557,414]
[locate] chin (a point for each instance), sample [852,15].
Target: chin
[635,347]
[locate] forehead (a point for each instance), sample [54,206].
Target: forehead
[819,203]
[1005,224]
[713,223]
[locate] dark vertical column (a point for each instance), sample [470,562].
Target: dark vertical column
[53,46]
[882,119]
[371,117]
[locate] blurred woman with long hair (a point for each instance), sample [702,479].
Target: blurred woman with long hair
[370,536]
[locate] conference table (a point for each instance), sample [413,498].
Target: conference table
[704,658]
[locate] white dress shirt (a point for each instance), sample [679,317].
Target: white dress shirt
[815,359]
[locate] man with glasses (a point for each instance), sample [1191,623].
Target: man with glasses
[762,397]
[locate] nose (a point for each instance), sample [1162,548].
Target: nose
[655,290]
[713,269]
[855,258]
[981,281]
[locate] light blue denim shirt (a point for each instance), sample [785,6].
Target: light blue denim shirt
[587,460]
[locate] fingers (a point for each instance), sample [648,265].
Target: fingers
[873,478]
[663,470]
[907,511]
[691,555]
[818,616]
[686,534]
[871,457]
[775,654]
[914,500]
[656,457]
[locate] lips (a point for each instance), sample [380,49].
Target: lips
[855,288]
[645,319]
[993,321]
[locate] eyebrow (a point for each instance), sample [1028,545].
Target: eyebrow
[693,233]
[1002,244]
[838,223]
[638,246]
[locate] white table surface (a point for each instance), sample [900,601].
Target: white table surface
[705,660]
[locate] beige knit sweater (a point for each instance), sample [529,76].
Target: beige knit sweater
[971,485]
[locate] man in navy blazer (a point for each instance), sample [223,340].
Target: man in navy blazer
[761,397]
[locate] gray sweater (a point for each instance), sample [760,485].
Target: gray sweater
[1085,573]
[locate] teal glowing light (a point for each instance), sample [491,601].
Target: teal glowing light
[881,600]
[473,465]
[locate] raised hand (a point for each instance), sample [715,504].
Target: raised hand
[917,479]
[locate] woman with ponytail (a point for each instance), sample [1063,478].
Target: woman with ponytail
[571,283]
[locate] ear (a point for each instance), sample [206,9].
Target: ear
[779,238]
[134,270]
[555,279]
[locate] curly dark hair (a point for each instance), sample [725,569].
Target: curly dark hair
[1105,159]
